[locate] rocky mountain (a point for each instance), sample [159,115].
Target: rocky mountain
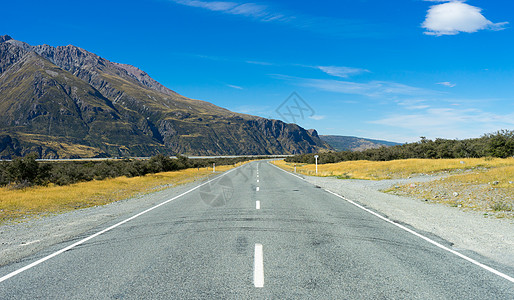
[67,102]
[351,143]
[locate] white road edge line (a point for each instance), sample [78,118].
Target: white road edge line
[287,172]
[14,273]
[258,269]
[257,204]
[469,259]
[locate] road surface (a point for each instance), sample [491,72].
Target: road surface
[256,232]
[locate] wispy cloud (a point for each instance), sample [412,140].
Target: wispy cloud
[213,5]
[413,104]
[343,72]
[266,13]
[336,71]
[448,122]
[370,89]
[447,83]
[317,117]
[235,87]
[256,11]
[265,111]
[455,16]
[261,63]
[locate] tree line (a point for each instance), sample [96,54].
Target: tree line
[27,171]
[498,144]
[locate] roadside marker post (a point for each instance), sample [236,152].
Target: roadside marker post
[316,157]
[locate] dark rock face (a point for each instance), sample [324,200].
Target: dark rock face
[65,101]
[313,132]
[8,147]
[4,38]
[9,54]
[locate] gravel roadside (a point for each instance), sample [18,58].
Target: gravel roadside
[466,230]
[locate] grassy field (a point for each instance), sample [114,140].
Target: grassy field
[481,184]
[34,201]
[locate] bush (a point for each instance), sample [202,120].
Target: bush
[23,171]
[27,171]
[499,144]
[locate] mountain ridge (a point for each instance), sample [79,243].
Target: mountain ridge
[67,102]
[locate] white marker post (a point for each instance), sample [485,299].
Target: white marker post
[295,168]
[316,157]
[213,167]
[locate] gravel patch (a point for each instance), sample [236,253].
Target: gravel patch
[466,230]
[491,201]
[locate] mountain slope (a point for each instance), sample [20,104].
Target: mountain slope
[351,143]
[68,102]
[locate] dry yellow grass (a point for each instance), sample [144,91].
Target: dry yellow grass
[377,170]
[499,177]
[16,204]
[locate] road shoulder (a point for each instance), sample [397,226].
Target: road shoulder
[466,230]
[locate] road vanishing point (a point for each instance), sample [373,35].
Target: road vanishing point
[254,232]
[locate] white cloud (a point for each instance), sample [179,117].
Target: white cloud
[343,72]
[455,16]
[447,83]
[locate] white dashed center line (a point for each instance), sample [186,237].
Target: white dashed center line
[258,204]
[257,189]
[258,270]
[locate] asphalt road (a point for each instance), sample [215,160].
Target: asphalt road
[255,232]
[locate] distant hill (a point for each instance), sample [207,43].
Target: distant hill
[351,143]
[64,102]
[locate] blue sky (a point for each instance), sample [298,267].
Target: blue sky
[393,70]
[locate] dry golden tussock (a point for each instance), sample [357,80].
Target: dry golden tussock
[33,201]
[378,170]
